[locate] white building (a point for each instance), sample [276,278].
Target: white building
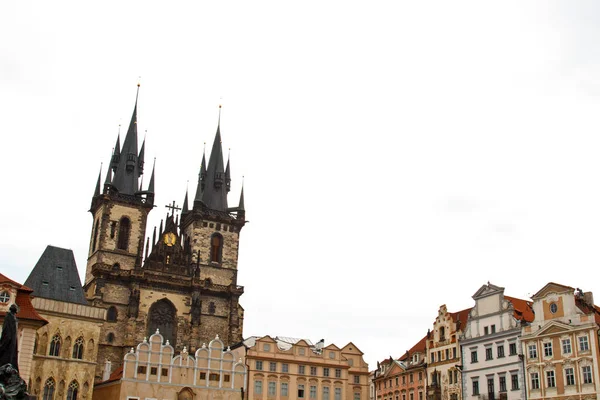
[491,361]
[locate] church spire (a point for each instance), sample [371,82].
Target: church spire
[214,193]
[128,167]
[114,161]
[151,184]
[97,191]
[201,176]
[228,173]
[184,208]
[141,157]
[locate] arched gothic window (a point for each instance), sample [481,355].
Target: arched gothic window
[49,389]
[111,314]
[78,348]
[124,230]
[163,316]
[72,391]
[110,337]
[95,233]
[216,247]
[55,345]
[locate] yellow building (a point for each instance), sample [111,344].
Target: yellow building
[561,345]
[283,368]
[152,371]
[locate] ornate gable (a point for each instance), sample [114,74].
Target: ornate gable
[169,254]
[552,287]
[487,290]
[552,328]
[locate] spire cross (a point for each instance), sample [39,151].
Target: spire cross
[173,208]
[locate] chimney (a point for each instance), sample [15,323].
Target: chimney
[588,297]
[106,374]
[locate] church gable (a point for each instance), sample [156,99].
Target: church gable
[487,290]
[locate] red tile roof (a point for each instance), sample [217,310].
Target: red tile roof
[523,309]
[461,316]
[23,300]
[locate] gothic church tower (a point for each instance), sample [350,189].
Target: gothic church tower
[185,282]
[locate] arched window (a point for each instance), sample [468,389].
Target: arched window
[111,314]
[49,389]
[124,230]
[163,316]
[78,348]
[95,238]
[110,337]
[72,391]
[55,346]
[216,247]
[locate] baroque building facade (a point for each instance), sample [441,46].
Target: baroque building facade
[183,280]
[283,368]
[561,344]
[444,355]
[492,365]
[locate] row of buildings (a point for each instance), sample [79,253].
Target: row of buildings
[158,316]
[502,348]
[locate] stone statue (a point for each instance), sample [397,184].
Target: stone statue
[196,308]
[8,341]
[11,384]
[134,304]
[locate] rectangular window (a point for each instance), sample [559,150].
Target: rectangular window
[356,395]
[486,330]
[569,376]
[325,392]
[357,379]
[432,357]
[473,356]
[313,392]
[338,373]
[512,349]
[500,350]
[532,351]
[535,380]
[284,389]
[420,395]
[300,391]
[566,346]
[587,373]
[493,328]
[313,371]
[411,378]
[325,371]
[272,390]
[396,381]
[285,368]
[550,379]
[273,367]
[490,383]
[301,370]
[475,387]
[420,376]
[548,349]
[450,377]
[454,352]
[258,387]
[439,356]
[514,380]
[404,379]
[502,382]
[259,366]
[411,396]
[338,394]
[583,343]
[488,353]
[447,354]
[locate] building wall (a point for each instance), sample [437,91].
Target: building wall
[304,371]
[561,331]
[69,321]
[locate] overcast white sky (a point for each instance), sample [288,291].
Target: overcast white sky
[397,155]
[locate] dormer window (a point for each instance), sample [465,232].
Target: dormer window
[4,297]
[442,334]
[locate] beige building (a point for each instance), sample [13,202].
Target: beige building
[153,371]
[286,368]
[28,319]
[561,345]
[64,359]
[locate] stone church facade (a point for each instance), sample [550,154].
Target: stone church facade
[183,280]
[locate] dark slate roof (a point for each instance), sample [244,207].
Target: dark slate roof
[55,277]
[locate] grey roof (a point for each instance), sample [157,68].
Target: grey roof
[55,277]
[125,179]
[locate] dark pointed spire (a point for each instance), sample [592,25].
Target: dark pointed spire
[228,173]
[141,157]
[147,247]
[128,168]
[160,231]
[154,238]
[108,179]
[151,184]
[241,207]
[97,191]
[214,195]
[185,203]
[114,161]
[201,176]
